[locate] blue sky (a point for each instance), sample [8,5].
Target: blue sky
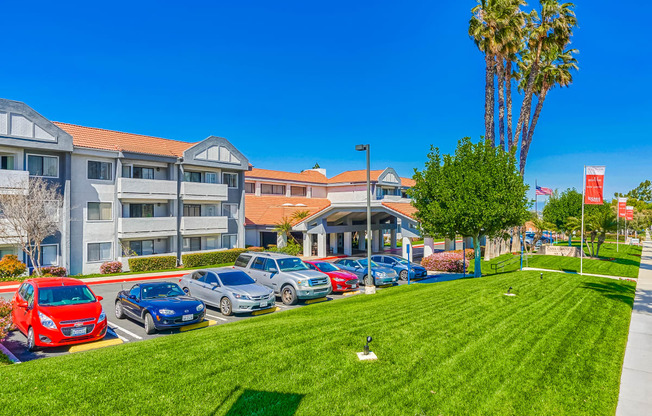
[292,83]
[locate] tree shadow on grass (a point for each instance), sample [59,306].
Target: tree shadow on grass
[613,290]
[259,403]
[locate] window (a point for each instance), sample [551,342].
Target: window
[47,166]
[6,252]
[250,187]
[99,251]
[29,295]
[272,189]
[270,264]
[211,278]
[242,260]
[135,291]
[126,171]
[192,244]
[6,162]
[143,173]
[210,210]
[259,263]
[50,255]
[192,176]
[99,211]
[298,190]
[211,177]
[100,170]
[142,247]
[141,210]
[231,179]
[191,210]
[230,210]
[229,241]
[211,243]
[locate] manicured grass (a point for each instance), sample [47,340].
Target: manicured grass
[454,348]
[4,360]
[626,262]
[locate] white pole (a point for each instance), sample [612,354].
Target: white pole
[582,236]
[617,229]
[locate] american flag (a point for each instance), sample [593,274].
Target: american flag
[543,191]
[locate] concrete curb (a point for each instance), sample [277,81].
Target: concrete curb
[12,357]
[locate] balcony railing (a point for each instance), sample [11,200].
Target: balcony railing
[204,191]
[147,227]
[204,225]
[146,188]
[13,181]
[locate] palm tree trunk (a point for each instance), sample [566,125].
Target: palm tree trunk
[527,138]
[501,101]
[489,98]
[526,107]
[508,102]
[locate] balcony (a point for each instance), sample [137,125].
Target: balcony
[151,227]
[195,191]
[13,181]
[204,225]
[146,189]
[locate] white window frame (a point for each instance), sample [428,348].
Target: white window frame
[236,179]
[100,260]
[217,177]
[99,161]
[98,202]
[41,155]
[237,211]
[49,245]
[229,235]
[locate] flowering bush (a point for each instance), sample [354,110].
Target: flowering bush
[53,271]
[447,261]
[11,267]
[470,254]
[109,267]
[5,318]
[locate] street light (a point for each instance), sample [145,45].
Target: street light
[362,148]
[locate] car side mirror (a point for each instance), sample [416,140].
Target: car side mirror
[100,298]
[21,303]
[215,284]
[132,297]
[273,270]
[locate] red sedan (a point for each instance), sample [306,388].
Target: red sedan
[52,312]
[341,280]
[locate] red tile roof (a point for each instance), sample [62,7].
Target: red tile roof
[409,182]
[269,210]
[95,138]
[355,176]
[404,208]
[305,176]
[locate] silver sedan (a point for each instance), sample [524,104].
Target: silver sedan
[233,291]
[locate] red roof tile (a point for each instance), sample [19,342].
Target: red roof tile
[269,210]
[404,208]
[305,176]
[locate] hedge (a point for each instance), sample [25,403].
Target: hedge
[214,257]
[147,264]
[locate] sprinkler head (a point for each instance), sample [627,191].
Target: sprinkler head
[541,276]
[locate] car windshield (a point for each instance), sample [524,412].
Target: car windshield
[327,267]
[363,262]
[291,265]
[402,261]
[167,290]
[64,295]
[236,279]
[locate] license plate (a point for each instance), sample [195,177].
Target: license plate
[263,304]
[354,286]
[78,331]
[187,317]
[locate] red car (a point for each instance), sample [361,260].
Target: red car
[341,280]
[52,312]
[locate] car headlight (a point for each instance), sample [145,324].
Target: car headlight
[102,317]
[243,297]
[272,296]
[303,283]
[339,279]
[200,307]
[165,312]
[46,321]
[381,274]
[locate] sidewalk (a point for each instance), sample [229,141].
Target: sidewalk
[636,379]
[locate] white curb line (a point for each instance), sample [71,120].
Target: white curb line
[8,353]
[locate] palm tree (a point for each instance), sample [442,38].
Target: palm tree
[572,224]
[284,227]
[604,221]
[299,215]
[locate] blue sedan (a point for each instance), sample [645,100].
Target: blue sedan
[400,266]
[382,275]
[159,305]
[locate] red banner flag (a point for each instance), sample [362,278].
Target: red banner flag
[630,213]
[622,207]
[594,185]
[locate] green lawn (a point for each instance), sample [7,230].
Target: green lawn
[454,348]
[4,360]
[625,264]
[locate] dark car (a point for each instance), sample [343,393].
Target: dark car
[159,305]
[400,266]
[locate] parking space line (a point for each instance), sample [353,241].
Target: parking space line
[198,325]
[311,301]
[264,311]
[112,332]
[125,331]
[94,345]
[216,317]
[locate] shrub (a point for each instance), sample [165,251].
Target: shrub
[5,318]
[257,249]
[55,271]
[110,267]
[447,261]
[293,249]
[11,267]
[212,257]
[148,264]
[470,254]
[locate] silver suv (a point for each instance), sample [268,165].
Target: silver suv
[287,275]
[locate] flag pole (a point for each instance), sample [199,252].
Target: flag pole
[582,234]
[617,227]
[536,199]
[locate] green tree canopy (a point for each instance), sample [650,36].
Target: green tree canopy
[476,191]
[561,206]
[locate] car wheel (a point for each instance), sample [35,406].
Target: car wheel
[31,340]
[186,291]
[149,324]
[367,280]
[289,295]
[403,275]
[225,307]
[119,312]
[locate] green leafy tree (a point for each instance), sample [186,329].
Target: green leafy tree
[560,207]
[475,191]
[605,221]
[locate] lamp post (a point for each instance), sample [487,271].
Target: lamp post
[361,148]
